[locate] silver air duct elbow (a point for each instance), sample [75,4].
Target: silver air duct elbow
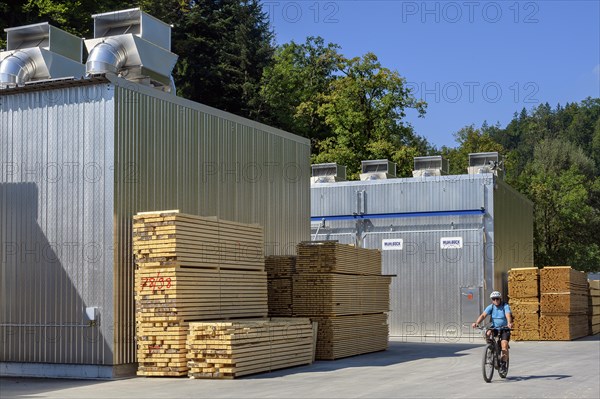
[107,56]
[16,69]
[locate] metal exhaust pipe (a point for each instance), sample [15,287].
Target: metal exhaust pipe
[16,69]
[107,56]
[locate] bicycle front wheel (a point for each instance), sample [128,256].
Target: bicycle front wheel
[487,364]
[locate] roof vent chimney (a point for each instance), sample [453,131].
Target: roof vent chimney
[486,162]
[378,169]
[327,173]
[39,52]
[430,166]
[135,46]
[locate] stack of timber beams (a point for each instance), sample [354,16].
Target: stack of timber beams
[523,291]
[233,349]
[280,269]
[564,304]
[594,307]
[341,288]
[191,268]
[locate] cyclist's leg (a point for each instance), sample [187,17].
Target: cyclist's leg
[504,350]
[504,343]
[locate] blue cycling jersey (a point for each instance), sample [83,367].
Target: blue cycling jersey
[498,314]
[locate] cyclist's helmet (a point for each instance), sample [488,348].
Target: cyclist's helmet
[495,294]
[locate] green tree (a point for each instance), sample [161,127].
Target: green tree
[364,109]
[470,140]
[294,86]
[224,46]
[552,156]
[561,182]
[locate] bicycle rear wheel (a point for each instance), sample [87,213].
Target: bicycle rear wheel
[487,364]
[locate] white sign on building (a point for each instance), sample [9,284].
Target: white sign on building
[451,242]
[392,244]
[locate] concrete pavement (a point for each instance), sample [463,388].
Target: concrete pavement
[407,369]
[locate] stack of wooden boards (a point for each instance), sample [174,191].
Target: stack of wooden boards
[523,291]
[342,289]
[594,306]
[280,270]
[191,268]
[564,304]
[236,348]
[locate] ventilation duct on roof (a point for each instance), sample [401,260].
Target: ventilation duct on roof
[327,173]
[135,46]
[16,69]
[106,57]
[378,169]
[486,162]
[430,166]
[39,52]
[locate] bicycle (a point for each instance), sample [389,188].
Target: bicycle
[493,353]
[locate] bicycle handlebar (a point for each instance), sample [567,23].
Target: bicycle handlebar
[494,328]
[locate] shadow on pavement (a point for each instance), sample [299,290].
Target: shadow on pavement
[25,387]
[398,352]
[535,377]
[588,338]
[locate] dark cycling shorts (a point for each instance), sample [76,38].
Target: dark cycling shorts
[505,334]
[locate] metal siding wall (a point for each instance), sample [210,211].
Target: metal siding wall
[400,195]
[443,193]
[513,232]
[56,225]
[202,161]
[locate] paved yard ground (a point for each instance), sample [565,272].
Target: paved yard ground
[407,369]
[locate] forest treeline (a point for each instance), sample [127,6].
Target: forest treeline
[354,108]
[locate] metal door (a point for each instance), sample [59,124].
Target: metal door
[430,269]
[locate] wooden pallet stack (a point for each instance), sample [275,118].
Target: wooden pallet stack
[280,269]
[594,306]
[524,294]
[191,268]
[342,289]
[236,348]
[564,304]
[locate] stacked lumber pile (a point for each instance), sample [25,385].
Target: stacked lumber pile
[594,306]
[342,289]
[191,268]
[236,348]
[345,336]
[332,257]
[564,304]
[523,291]
[280,270]
[340,294]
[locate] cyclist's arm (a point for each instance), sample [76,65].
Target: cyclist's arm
[509,319]
[480,319]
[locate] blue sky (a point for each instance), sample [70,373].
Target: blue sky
[470,60]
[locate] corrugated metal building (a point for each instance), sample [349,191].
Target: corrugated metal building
[450,240]
[78,158]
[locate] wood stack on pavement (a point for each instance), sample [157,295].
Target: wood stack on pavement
[523,292]
[191,268]
[344,336]
[342,289]
[594,306]
[280,269]
[236,348]
[564,304]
